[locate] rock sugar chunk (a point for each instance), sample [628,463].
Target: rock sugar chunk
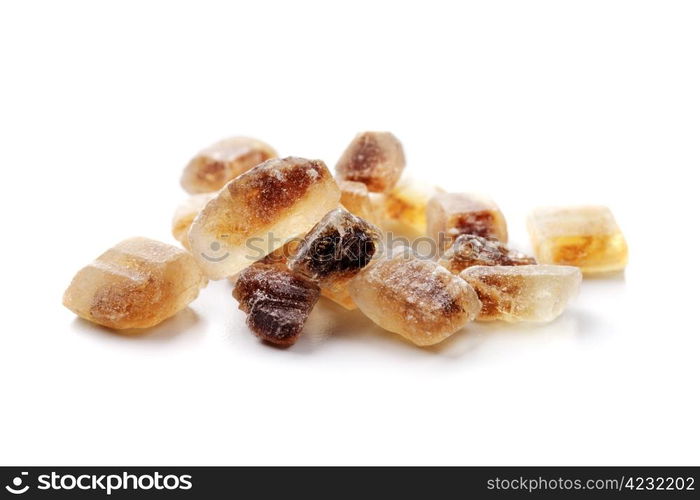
[277,302]
[354,196]
[214,166]
[374,158]
[185,215]
[403,209]
[587,237]
[418,299]
[451,214]
[334,251]
[274,202]
[338,247]
[523,293]
[136,284]
[469,250]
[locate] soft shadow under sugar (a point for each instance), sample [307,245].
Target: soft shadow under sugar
[331,323]
[185,322]
[586,324]
[329,320]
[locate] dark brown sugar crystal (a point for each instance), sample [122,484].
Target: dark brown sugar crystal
[337,248]
[277,301]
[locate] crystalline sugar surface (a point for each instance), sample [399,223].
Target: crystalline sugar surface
[136,284]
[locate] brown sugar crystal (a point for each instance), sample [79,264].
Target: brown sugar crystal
[280,198]
[374,158]
[224,160]
[277,302]
[136,284]
[452,214]
[418,299]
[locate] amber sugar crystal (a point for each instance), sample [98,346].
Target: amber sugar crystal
[274,202]
[587,237]
[452,214]
[374,158]
[403,209]
[136,284]
[224,160]
[354,196]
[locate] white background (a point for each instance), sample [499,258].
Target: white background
[102,104]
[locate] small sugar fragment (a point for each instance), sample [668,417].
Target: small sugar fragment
[354,196]
[587,237]
[451,214]
[214,166]
[374,158]
[469,250]
[523,293]
[136,284]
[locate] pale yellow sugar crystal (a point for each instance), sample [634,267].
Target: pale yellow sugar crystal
[185,215]
[452,214]
[273,202]
[523,293]
[418,299]
[136,284]
[374,158]
[587,237]
[217,164]
[354,196]
[403,209]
